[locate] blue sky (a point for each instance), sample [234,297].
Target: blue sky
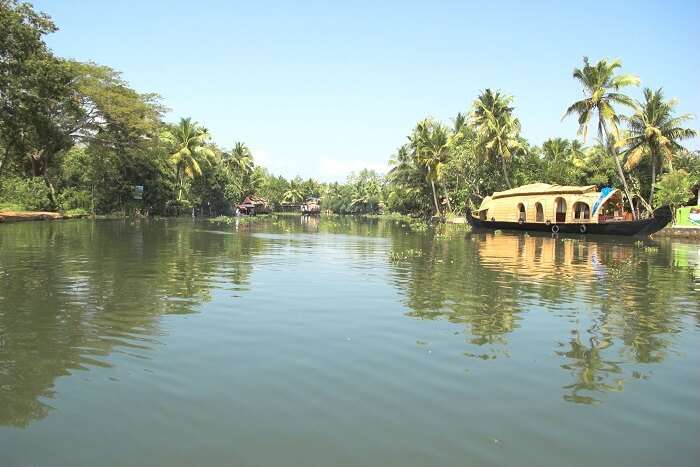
[323,88]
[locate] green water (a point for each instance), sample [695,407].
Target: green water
[344,342]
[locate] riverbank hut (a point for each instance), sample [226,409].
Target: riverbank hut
[290,207]
[253,205]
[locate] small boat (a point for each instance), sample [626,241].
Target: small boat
[567,209]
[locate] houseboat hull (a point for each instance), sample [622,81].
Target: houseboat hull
[643,227]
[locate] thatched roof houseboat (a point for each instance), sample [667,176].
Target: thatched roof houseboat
[312,207]
[556,208]
[252,205]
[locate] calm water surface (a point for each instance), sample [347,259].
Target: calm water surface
[344,342]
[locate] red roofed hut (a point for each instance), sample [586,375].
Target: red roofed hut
[253,205]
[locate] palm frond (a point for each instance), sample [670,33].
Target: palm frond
[621,81]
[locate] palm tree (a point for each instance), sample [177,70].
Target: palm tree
[430,148]
[189,141]
[556,149]
[407,180]
[600,85]
[366,190]
[577,153]
[459,122]
[497,130]
[654,132]
[240,159]
[294,193]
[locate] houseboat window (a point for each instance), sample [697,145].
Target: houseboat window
[521,212]
[560,210]
[581,211]
[483,213]
[539,212]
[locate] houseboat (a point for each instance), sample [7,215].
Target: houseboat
[311,207]
[566,209]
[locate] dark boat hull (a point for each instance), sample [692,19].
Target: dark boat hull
[643,227]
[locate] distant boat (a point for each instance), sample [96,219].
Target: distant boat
[566,209]
[311,207]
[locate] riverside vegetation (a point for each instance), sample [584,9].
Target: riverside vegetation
[75,137]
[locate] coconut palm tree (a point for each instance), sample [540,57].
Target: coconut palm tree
[601,85]
[365,190]
[240,159]
[577,153]
[189,141]
[294,193]
[436,155]
[459,122]
[430,148]
[497,130]
[556,149]
[654,132]
[407,180]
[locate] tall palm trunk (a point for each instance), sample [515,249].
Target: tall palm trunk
[52,190]
[505,172]
[447,197]
[432,185]
[437,208]
[620,173]
[624,182]
[653,180]
[181,182]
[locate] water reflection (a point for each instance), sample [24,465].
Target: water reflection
[618,301]
[71,293]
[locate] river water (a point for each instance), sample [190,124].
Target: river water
[344,342]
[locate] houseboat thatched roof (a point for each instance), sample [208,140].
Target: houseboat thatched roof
[544,189]
[253,201]
[501,203]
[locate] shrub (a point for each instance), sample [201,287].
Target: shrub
[25,193]
[78,212]
[74,198]
[675,189]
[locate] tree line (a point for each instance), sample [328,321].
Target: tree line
[482,151]
[75,137]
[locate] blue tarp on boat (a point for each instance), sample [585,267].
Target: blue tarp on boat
[603,194]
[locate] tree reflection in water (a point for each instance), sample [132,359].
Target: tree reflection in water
[87,288]
[624,299]
[72,294]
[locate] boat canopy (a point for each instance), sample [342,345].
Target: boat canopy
[538,192]
[605,194]
[544,189]
[484,204]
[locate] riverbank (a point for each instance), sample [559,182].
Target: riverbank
[679,231]
[22,216]
[19,216]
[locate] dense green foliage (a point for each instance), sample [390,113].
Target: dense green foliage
[75,136]
[674,188]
